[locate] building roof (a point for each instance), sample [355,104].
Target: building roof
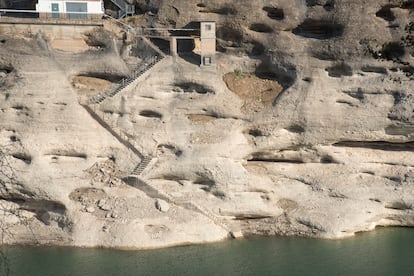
[70,1]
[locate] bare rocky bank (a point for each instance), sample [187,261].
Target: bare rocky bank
[305,128]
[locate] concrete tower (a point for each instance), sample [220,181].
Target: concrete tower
[208,43]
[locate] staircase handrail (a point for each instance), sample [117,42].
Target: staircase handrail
[128,27]
[119,4]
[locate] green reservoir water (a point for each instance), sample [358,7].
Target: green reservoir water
[387,251]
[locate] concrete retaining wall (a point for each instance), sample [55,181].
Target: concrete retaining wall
[55,29]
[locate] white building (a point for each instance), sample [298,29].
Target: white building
[70,8]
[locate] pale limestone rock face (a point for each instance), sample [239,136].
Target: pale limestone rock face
[336,138]
[162,205]
[332,155]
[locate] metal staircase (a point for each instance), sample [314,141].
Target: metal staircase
[141,69]
[142,165]
[114,130]
[91,107]
[93,102]
[125,9]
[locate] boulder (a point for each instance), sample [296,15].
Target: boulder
[162,205]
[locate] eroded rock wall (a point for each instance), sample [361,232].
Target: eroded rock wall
[315,139]
[346,70]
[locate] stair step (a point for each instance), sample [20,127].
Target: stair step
[139,71]
[142,165]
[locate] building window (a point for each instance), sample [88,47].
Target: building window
[207,60]
[208,27]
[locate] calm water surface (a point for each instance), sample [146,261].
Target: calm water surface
[383,252]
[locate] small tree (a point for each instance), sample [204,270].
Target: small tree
[6,176]
[8,179]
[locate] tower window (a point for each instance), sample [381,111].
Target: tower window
[207,60]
